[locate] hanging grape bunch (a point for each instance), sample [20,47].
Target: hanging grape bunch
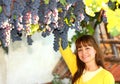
[54,17]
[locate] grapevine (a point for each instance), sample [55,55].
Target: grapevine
[54,17]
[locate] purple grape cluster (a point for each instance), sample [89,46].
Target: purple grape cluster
[53,18]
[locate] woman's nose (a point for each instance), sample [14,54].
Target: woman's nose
[83,51]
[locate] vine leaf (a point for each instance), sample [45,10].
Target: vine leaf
[63,2]
[46,1]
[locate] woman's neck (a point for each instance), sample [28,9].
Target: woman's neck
[91,66]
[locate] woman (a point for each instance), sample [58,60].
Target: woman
[86,65]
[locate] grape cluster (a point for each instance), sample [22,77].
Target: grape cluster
[32,15]
[49,17]
[5,27]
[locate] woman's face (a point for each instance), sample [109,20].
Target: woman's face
[86,54]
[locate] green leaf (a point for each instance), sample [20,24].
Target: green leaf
[14,16]
[46,1]
[74,38]
[114,32]
[0,9]
[90,29]
[63,2]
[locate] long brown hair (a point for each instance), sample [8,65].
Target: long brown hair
[86,40]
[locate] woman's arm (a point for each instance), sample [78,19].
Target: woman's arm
[69,58]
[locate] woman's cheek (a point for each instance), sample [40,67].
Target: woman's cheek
[80,56]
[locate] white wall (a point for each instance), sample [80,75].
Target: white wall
[29,64]
[3,67]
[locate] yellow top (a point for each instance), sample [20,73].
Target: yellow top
[102,77]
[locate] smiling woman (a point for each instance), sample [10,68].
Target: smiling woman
[86,53]
[86,65]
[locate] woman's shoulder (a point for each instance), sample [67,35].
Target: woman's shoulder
[105,71]
[106,74]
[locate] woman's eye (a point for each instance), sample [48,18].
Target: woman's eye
[87,48]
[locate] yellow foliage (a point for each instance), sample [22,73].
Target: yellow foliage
[93,6]
[87,2]
[34,28]
[113,18]
[67,22]
[89,11]
[60,10]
